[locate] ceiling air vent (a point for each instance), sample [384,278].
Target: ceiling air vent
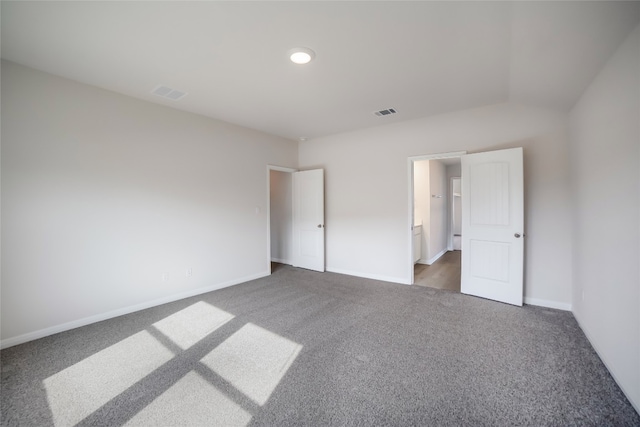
[167,92]
[385,112]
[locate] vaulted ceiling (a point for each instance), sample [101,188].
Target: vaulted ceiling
[420,58]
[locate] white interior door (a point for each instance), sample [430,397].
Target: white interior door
[308,219]
[493,225]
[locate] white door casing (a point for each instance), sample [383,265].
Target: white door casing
[308,219]
[493,225]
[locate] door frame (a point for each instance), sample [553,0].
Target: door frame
[279,169]
[410,219]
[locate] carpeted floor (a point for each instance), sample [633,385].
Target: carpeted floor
[307,348]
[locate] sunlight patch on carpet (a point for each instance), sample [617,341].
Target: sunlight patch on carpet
[192,401]
[190,325]
[253,360]
[76,392]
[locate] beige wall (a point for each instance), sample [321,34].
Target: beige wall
[102,194]
[367,191]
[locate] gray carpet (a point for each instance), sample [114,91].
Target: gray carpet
[306,348]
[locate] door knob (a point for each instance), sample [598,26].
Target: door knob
[517,235]
[320,225]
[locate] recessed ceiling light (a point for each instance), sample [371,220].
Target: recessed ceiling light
[301,55]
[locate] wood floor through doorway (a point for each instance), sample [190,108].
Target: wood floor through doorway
[442,274]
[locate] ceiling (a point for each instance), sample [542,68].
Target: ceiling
[420,58]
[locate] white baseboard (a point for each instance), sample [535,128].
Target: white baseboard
[369,276]
[20,339]
[547,303]
[282,261]
[433,259]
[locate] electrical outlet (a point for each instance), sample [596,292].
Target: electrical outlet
[189,272]
[165,276]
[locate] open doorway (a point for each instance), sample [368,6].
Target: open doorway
[295,225]
[492,204]
[280,247]
[455,236]
[435,220]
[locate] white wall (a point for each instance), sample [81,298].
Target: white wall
[281,200]
[102,194]
[605,147]
[454,171]
[367,190]
[438,224]
[422,203]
